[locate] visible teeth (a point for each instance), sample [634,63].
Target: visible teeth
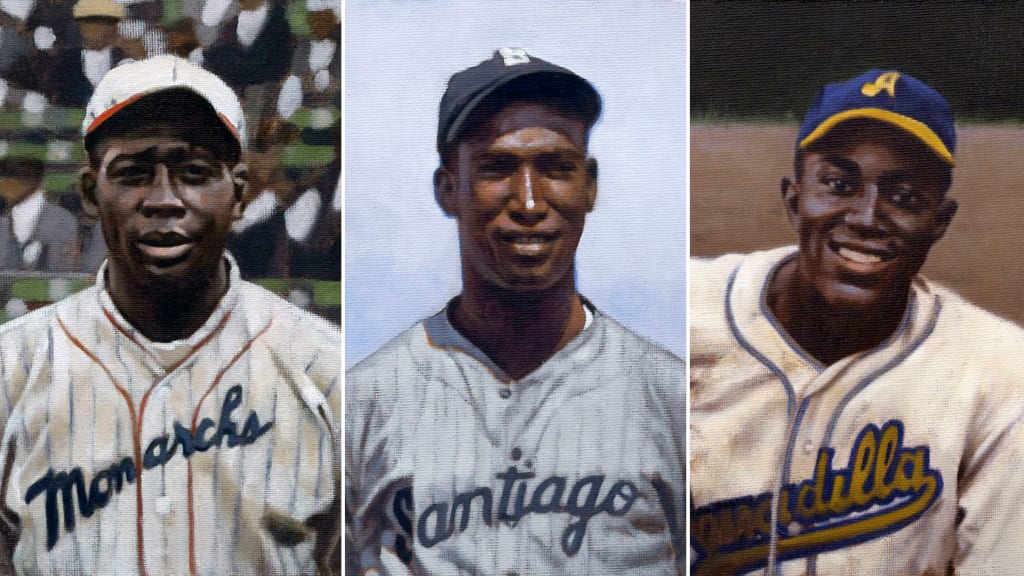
[859,257]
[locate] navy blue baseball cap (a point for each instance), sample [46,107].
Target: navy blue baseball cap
[507,72]
[887,96]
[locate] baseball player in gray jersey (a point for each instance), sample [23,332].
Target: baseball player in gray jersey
[848,415]
[519,430]
[172,419]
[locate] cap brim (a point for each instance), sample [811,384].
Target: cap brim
[918,129]
[457,124]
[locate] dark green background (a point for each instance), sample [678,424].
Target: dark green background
[754,60]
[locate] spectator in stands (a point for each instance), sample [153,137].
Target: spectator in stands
[259,241]
[313,222]
[13,44]
[253,55]
[35,234]
[315,81]
[182,40]
[64,70]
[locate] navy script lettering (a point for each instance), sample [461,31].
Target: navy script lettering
[111,480]
[441,520]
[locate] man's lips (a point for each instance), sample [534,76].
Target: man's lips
[528,243]
[164,245]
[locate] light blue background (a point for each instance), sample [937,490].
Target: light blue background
[402,261]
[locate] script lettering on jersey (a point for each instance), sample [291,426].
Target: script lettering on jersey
[520,495]
[884,487]
[110,481]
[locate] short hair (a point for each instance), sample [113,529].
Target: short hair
[558,93]
[177,107]
[846,129]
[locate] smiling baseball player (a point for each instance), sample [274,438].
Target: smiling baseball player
[519,430]
[172,419]
[849,416]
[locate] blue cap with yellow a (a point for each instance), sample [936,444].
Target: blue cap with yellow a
[886,96]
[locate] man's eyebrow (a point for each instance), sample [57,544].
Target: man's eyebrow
[151,154]
[843,163]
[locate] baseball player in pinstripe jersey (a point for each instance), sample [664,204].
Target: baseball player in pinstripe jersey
[519,430]
[848,415]
[172,419]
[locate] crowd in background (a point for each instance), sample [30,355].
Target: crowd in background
[283,60]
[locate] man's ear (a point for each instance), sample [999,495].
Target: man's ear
[444,190]
[943,218]
[240,181]
[591,183]
[87,190]
[790,199]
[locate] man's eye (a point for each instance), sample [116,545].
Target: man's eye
[197,172]
[133,176]
[495,168]
[558,168]
[906,198]
[838,186]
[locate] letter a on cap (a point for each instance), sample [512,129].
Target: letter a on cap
[885,82]
[514,56]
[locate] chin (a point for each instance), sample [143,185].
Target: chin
[840,297]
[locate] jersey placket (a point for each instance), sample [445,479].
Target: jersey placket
[817,393]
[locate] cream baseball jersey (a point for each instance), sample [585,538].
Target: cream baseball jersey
[218,454]
[577,468]
[902,459]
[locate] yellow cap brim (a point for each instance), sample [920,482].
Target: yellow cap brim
[918,129]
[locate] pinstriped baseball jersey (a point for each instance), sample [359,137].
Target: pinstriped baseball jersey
[902,459]
[577,468]
[218,454]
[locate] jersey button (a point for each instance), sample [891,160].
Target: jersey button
[517,453]
[505,393]
[163,505]
[809,447]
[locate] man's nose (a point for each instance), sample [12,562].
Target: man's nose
[162,199]
[528,203]
[864,209]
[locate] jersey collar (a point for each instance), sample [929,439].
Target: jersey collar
[441,333]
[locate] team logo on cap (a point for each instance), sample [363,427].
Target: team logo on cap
[514,56]
[885,82]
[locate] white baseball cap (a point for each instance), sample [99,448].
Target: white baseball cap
[132,81]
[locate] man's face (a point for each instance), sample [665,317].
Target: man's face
[520,186]
[166,206]
[321,23]
[869,206]
[97,33]
[14,187]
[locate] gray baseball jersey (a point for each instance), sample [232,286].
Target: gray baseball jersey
[903,459]
[576,468]
[218,454]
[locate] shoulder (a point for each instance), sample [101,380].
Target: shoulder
[632,346]
[403,352]
[714,272]
[643,362]
[970,325]
[284,314]
[295,336]
[77,308]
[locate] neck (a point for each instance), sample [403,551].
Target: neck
[167,313]
[519,331]
[829,333]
